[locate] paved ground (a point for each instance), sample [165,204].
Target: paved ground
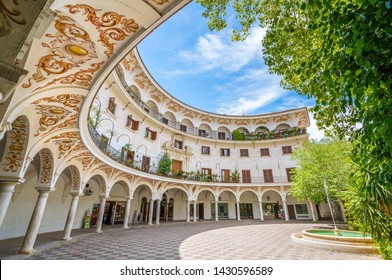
[202,240]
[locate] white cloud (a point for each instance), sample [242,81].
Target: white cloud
[218,52]
[313,130]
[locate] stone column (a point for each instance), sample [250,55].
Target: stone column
[313,212]
[188,208]
[261,211]
[150,212]
[238,211]
[216,210]
[71,217]
[126,214]
[194,211]
[6,191]
[35,222]
[100,215]
[158,214]
[286,212]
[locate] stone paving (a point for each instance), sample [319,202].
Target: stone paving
[247,239]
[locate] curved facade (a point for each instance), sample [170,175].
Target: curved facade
[82,132]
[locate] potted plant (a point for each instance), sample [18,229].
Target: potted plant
[164,165]
[235,176]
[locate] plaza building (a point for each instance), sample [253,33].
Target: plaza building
[83,127]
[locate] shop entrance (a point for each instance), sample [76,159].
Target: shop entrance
[246,210]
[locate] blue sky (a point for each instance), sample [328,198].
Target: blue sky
[208,71]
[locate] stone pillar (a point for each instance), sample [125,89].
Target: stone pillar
[312,210]
[6,191]
[261,211]
[158,212]
[286,212]
[238,211]
[100,215]
[71,217]
[35,222]
[127,214]
[150,212]
[194,211]
[188,208]
[216,210]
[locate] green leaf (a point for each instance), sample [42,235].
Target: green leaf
[359,71]
[349,50]
[347,72]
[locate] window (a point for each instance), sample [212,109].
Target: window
[165,121]
[205,150]
[206,172]
[244,152]
[132,124]
[268,177]
[145,164]
[178,144]
[264,152]
[289,172]
[225,175]
[112,105]
[147,110]
[287,150]
[225,152]
[222,135]
[246,176]
[183,127]
[301,209]
[151,134]
[202,133]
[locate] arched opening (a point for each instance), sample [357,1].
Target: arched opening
[151,108]
[116,203]
[206,201]
[90,200]
[135,93]
[224,133]
[169,119]
[249,206]
[140,209]
[282,127]
[187,126]
[173,205]
[226,206]
[262,130]
[272,205]
[205,130]
[243,130]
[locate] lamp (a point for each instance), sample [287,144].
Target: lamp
[87,191]
[268,198]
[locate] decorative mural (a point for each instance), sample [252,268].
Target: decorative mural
[110,25]
[75,175]
[46,168]
[302,119]
[16,145]
[67,142]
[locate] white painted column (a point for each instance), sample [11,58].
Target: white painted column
[312,210]
[158,214]
[238,211]
[216,210]
[188,208]
[150,212]
[71,217]
[6,191]
[261,211]
[100,215]
[194,211]
[126,214]
[286,212]
[35,222]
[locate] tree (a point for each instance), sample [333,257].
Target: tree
[164,166]
[337,51]
[327,160]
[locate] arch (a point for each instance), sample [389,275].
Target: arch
[135,90]
[227,190]
[224,133]
[100,180]
[152,106]
[171,119]
[272,204]
[249,190]
[261,130]
[167,188]
[144,184]
[205,130]
[282,126]
[189,126]
[123,184]
[243,130]
[205,189]
[15,147]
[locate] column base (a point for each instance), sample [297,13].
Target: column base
[66,238]
[98,231]
[26,251]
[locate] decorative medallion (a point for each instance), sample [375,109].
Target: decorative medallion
[50,116]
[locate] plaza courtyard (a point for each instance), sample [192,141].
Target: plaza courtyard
[206,240]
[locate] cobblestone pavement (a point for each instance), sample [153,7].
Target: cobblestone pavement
[202,240]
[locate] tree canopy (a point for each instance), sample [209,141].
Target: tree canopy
[327,160]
